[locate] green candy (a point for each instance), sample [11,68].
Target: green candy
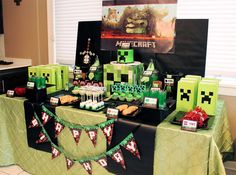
[122,96]
[115,96]
[129,97]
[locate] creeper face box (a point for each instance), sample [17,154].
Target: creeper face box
[207,96]
[125,56]
[186,95]
[121,73]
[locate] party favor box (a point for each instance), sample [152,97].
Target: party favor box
[186,94]
[208,96]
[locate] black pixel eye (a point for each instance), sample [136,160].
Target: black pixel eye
[43,74]
[119,53]
[47,75]
[181,90]
[126,53]
[110,76]
[202,93]
[211,93]
[189,91]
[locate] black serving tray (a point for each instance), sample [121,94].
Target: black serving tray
[207,124]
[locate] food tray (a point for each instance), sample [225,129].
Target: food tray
[207,124]
[97,110]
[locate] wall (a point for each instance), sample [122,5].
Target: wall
[230,102]
[2,48]
[25,30]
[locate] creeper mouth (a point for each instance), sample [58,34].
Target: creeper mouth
[46,79]
[185,96]
[206,98]
[122,58]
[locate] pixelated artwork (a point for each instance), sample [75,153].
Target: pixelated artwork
[196,91]
[125,56]
[206,98]
[50,76]
[185,95]
[121,73]
[208,95]
[146,25]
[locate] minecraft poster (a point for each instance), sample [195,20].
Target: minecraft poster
[149,25]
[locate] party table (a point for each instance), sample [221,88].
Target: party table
[181,152]
[14,147]
[177,152]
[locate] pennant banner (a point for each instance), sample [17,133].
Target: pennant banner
[42,138]
[69,163]
[33,123]
[55,152]
[92,136]
[58,128]
[118,157]
[87,166]
[45,117]
[76,134]
[131,146]
[108,131]
[102,161]
[115,153]
[72,125]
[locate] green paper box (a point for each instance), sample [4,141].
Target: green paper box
[207,96]
[125,56]
[197,77]
[186,95]
[50,74]
[34,71]
[121,73]
[57,75]
[62,75]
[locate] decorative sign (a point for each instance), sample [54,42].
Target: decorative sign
[189,125]
[169,81]
[150,102]
[147,73]
[30,85]
[147,25]
[10,93]
[54,101]
[112,113]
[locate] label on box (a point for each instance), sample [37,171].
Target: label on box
[30,85]
[189,125]
[93,68]
[112,113]
[147,73]
[157,84]
[10,93]
[150,102]
[54,101]
[169,81]
[155,89]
